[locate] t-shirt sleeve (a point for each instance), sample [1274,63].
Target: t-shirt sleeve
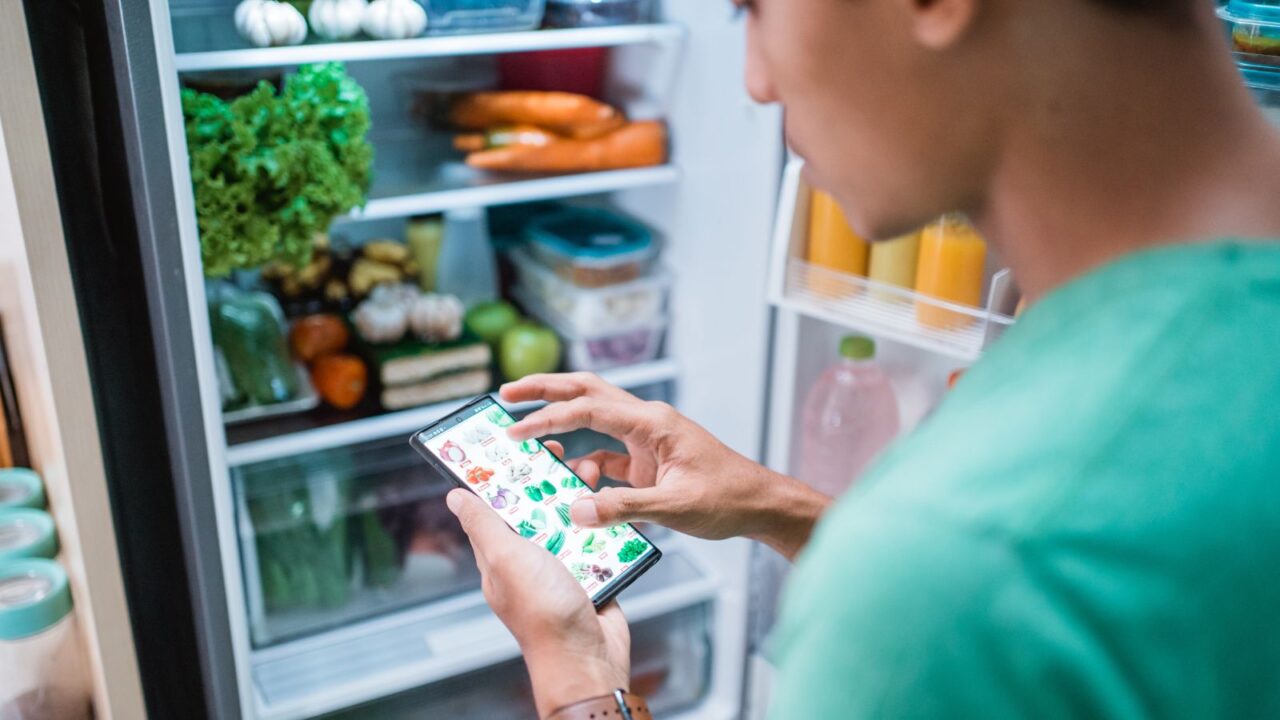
[900,617]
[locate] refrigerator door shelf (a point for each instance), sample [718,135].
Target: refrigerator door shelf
[297,435]
[670,657]
[857,303]
[362,662]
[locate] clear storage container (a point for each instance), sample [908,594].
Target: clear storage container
[1255,31]
[593,13]
[337,536]
[591,248]
[43,673]
[593,310]
[605,348]
[20,488]
[473,16]
[1265,85]
[27,533]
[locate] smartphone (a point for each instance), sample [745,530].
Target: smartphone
[532,490]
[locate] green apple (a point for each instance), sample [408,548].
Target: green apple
[528,349]
[489,320]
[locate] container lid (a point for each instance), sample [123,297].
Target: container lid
[1261,78]
[27,533]
[1264,11]
[591,234]
[857,347]
[33,597]
[20,487]
[566,329]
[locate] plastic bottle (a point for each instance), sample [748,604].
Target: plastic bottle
[467,267]
[42,664]
[850,415]
[952,258]
[894,262]
[833,245]
[425,235]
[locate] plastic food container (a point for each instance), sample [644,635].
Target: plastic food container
[26,533]
[1265,85]
[591,248]
[470,16]
[593,310]
[1255,30]
[593,13]
[604,349]
[41,660]
[20,488]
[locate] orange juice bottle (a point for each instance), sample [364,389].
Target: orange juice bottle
[952,258]
[833,245]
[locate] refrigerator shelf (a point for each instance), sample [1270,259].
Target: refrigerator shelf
[885,311]
[362,662]
[324,429]
[208,41]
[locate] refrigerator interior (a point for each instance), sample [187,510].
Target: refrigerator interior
[345,582]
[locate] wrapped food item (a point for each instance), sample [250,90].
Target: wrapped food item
[248,328]
[637,144]
[567,114]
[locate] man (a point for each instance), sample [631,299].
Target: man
[1089,526]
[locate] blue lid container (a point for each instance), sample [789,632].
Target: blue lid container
[27,533]
[1254,27]
[591,247]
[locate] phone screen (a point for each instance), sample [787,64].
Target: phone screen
[532,490]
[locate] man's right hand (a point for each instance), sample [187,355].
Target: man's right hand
[680,475]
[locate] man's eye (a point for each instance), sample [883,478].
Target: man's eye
[742,6]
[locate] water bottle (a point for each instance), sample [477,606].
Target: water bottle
[467,267]
[850,415]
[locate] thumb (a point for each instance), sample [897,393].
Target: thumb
[615,505]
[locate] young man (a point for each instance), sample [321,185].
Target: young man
[1089,525]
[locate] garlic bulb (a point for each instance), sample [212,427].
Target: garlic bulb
[394,19]
[380,322]
[436,318]
[268,23]
[336,19]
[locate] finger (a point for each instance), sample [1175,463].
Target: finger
[552,387]
[555,448]
[489,535]
[611,464]
[616,418]
[587,471]
[612,506]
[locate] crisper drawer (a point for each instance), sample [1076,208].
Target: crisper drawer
[670,666]
[333,537]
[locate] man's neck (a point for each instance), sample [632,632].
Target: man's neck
[1166,148]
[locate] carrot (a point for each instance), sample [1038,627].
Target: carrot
[576,116]
[520,135]
[637,144]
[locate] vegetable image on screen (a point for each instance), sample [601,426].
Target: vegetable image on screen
[534,493]
[529,447]
[592,544]
[547,488]
[526,529]
[563,511]
[556,542]
[616,531]
[572,482]
[499,417]
[632,549]
[538,518]
[452,452]
[477,474]
[504,498]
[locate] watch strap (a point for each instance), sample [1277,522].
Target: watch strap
[620,705]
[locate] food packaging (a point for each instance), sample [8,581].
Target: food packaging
[474,16]
[591,248]
[1255,31]
[595,13]
[593,310]
[41,660]
[606,347]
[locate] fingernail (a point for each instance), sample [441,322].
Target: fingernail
[454,500]
[584,512]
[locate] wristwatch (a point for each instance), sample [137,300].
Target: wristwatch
[621,705]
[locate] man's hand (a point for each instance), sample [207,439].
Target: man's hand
[680,475]
[572,652]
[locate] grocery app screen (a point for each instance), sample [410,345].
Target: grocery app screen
[532,490]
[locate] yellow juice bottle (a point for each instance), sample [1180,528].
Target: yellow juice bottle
[894,262]
[952,258]
[833,245]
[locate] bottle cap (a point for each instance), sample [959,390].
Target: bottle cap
[21,488]
[857,347]
[26,533]
[33,597]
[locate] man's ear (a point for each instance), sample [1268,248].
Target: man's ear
[940,24]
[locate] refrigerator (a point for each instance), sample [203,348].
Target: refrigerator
[231,619]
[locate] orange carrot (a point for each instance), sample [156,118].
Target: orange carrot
[576,116]
[519,135]
[637,144]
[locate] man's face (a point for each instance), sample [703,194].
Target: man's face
[887,117]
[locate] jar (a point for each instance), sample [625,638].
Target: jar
[833,245]
[41,659]
[20,488]
[894,262]
[952,259]
[26,533]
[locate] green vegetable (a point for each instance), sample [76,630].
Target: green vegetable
[248,328]
[534,493]
[632,549]
[572,482]
[590,546]
[547,488]
[380,566]
[580,571]
[563,511]
[538,519]
[616,531]
[499,417]
[526,529]
[556,542]
[271,171]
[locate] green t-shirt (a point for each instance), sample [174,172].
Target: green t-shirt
[1089,527]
